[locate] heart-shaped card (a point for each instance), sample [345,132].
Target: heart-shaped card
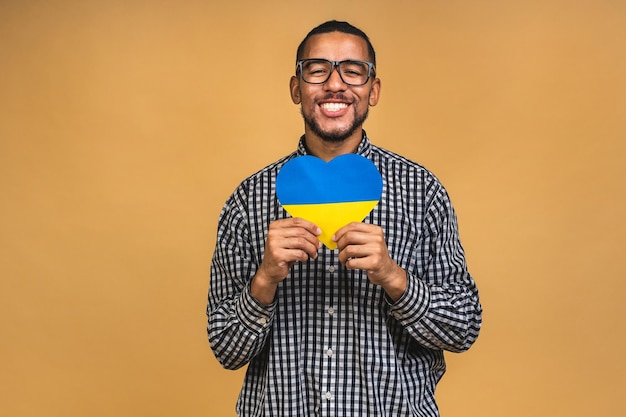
[329,194]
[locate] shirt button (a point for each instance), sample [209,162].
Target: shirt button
[329,353]
[331,310]
[331,268]
[262,321]
[328,395]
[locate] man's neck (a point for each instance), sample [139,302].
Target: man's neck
[328,150]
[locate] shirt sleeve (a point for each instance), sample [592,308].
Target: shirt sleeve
[238,325]
[440,307]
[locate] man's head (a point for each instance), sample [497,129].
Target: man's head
[336,26]
[335,82]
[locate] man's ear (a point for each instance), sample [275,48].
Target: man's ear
[375,92]
[294,89]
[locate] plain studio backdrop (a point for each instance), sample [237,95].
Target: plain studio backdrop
[125,125]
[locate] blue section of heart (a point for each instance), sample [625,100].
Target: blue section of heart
[311,180]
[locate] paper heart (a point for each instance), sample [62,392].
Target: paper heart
[329,194]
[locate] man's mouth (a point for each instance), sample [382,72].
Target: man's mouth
[333,107]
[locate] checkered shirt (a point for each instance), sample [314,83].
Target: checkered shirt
[332,343]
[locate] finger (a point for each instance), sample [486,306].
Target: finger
[355,227]
[306,225]
[357,263]
[290,256]
[294,238]
[297,222]
[278,260]
[354,238]
[307,244]
[358,244]
[341,232]
[294,227]
[352,252]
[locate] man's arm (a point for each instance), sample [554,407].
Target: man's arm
[440,309]
[238,325]
[241,296]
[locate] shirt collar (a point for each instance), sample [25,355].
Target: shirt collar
[363,149]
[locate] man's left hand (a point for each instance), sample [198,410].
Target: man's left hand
[363,246]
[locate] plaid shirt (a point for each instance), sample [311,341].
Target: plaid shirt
[332,343]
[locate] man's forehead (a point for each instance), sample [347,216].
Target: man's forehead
[336,46]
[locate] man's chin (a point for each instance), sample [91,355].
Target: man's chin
[332,135]
[338,134]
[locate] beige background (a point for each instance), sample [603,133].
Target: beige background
[124,125]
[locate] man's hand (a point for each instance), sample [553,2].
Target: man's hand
[288,241]
[363,246]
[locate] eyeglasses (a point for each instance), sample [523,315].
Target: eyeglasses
[318,71]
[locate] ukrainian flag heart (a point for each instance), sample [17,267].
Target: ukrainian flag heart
[330,195]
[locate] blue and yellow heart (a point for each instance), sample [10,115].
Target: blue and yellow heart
[329,194]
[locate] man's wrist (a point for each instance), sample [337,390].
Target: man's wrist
[396,285]
[262,290]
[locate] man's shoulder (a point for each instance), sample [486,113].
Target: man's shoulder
[387,157]
[268,172]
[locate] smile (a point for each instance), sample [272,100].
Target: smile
[333,107]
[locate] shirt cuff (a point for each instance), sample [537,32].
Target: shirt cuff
[253,315]
[413,304]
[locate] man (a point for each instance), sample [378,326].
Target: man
[356,331]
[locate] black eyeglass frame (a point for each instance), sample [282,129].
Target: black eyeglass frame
[371,70]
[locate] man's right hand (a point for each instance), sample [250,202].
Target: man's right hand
[288,241]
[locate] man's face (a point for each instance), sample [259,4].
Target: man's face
[335,111]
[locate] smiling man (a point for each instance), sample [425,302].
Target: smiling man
[356,331]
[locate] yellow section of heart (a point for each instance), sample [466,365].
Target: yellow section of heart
[331,217]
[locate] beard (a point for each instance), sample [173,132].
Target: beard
[339,135]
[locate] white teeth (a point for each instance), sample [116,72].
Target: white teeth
[334,106]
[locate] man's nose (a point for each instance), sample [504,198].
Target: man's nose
[335,82]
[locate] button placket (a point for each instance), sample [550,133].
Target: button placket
[332,291]
[330,337]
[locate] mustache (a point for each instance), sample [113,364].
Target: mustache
[336,96]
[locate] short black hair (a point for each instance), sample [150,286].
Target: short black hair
[337,26]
